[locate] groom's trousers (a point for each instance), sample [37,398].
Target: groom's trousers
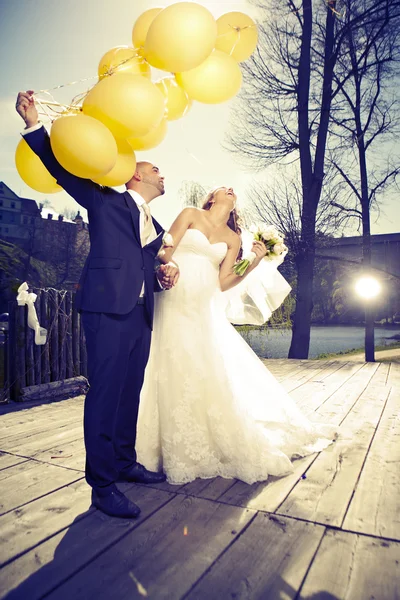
[117,349]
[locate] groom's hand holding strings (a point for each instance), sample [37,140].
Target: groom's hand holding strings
[167,274]
[26,108]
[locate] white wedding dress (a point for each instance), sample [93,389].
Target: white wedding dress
[209,406]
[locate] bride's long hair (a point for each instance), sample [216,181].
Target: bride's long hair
[233,221]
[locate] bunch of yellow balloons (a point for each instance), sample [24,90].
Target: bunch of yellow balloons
[125,111]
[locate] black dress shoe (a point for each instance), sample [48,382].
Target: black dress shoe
[115,504]
[139,474]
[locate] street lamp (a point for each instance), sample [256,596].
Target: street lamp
[368,288]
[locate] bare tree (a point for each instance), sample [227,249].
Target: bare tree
[192,193]
[280,204]
[286,110]
[69,213]
[363,115]
[284,117]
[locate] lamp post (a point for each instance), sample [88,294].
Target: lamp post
[368,288]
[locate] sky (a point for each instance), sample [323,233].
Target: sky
[47,43]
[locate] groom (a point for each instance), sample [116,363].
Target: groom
[115,298]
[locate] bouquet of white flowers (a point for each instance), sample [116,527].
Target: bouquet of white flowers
[273,241]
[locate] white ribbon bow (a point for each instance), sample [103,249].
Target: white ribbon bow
[24,297]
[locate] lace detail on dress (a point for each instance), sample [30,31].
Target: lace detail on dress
[209,406]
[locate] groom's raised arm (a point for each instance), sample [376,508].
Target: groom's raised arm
[84,191]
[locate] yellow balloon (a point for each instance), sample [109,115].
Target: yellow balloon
[216,80]
[127,104]
[83,146]
[123,169]
[141,26]
[123,59]
[32,170]
[180,37]
[237,35]
[152,139]
[178,102]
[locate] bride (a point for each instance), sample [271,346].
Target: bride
[209,406]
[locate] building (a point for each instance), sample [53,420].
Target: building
[385,251]
[61,244]
[34,228]
[16,216]
[346,254]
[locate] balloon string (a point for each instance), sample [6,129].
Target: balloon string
[237,29]
[186,147]
[235,44]
[188,105]
[78,99]
[53,104]
[174,82]
[55,107]
[141,60]
[109,72]
[44,109]
[58,87]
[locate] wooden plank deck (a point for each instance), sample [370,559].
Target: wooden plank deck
[330,530]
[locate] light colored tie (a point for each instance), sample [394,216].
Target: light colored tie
[147,225]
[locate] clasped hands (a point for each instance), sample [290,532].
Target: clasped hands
[168,275]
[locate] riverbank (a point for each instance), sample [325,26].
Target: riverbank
[324,341]
[382,354]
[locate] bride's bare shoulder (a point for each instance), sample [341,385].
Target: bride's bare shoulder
[187,215]
[190,210]
[234,239]
[192,213]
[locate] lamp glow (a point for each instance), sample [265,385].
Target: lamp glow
[368,287]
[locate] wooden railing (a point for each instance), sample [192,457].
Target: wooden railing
[61,359]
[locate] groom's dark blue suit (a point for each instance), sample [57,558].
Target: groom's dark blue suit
[117,327]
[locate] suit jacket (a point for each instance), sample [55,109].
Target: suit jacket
[117,264]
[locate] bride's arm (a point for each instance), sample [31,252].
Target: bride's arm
[227,278]
[183,221]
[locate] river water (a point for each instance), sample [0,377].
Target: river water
[274,343]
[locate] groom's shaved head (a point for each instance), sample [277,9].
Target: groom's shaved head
[144,166]
[147,180]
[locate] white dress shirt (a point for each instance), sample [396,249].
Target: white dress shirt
[139,201]
[33,128]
